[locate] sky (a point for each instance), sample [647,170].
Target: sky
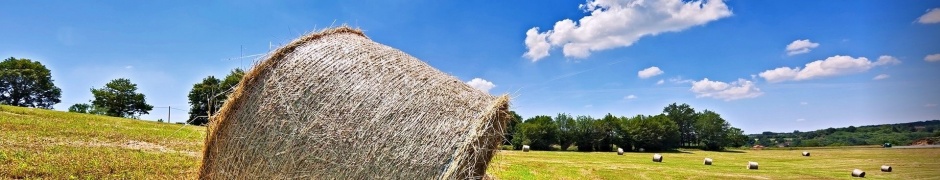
[763,65]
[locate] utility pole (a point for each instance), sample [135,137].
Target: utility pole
[168,111]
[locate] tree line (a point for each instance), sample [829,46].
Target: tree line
[677,126]
[896,134]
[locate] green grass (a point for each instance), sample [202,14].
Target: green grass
[44,144]
[36,143]
[833,163]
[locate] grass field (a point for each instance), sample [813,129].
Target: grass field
[37,143]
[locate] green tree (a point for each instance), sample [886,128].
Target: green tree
[567,132]
[712,130]
[539,132]
[120,99]
[736,137]
[684,116]
[511,128]
[80,108]
[27,83]
[610,132]
[210,95]
[653,133]
[586,133]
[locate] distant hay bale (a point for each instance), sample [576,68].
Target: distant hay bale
[858,173]
[525,148]
[751,165]
[619,151]
[657,158]
[708,161]
[336,105]
[805,153]
[885,168]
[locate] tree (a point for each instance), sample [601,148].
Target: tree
[586,133]
[539,132]
[653,133]
[27,83]
[567,133]
[120,99]
[736,137]
[209,96]
[80,108]
[684,116]
[609,129]
[712,130]
[511,128]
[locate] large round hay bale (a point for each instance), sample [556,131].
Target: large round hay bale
[805,153]
[619,151]
[858,173]
[336,105]
[885,168]
[708,161]
[751,165]
[525,148]
[657,158]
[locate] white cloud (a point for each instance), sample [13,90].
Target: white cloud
[660,82]
[618,23]
[804,103]
[128,67]
[932,57]
[680,80]
[630,97]
[740,89]
[881,76]
[832,66]
[800,47]
[800,120]
[588,106]
[932,16]
[649,72]
[481,84]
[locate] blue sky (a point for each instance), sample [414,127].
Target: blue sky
[859,63]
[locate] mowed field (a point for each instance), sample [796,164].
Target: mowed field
[46,144]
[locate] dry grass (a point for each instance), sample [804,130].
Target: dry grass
[36,143]
[835,163]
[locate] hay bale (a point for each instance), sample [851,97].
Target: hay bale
[708,161]
[885,168]
[619,151]
[751,165]
[336,105]
[657,158]
[805,153]
[858,173]
[525,148]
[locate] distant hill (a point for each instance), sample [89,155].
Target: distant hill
[896,134]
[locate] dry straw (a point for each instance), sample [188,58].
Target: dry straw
[619,151]
[708,161]
[525,148]
[858,173]
[885,168]
[657,158]
[751,165]
[805,153]
[336,105]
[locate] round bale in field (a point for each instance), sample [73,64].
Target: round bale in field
[858,173]
[619,151]
[336,105]
[657,158]
[751,165]
[885,168]
[805,153]
[525,148]
[708,161]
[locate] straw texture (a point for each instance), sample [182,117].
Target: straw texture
[336,105]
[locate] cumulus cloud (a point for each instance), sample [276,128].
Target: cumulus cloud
[630,97]
[739,89]
[800,47]
[620,23]
[932,57]
[649,72]
[481,84]
[832,66]
[932,16]
[660,82]
[881,76]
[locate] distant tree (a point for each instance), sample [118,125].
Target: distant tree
[80,108]
[567,132]
[684,116]
[27,83]
[515,120]
[610,132]
[653,133]
[586,133]
[210,95]
[712,130]
[539,132]
[736,137]
[119,98]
